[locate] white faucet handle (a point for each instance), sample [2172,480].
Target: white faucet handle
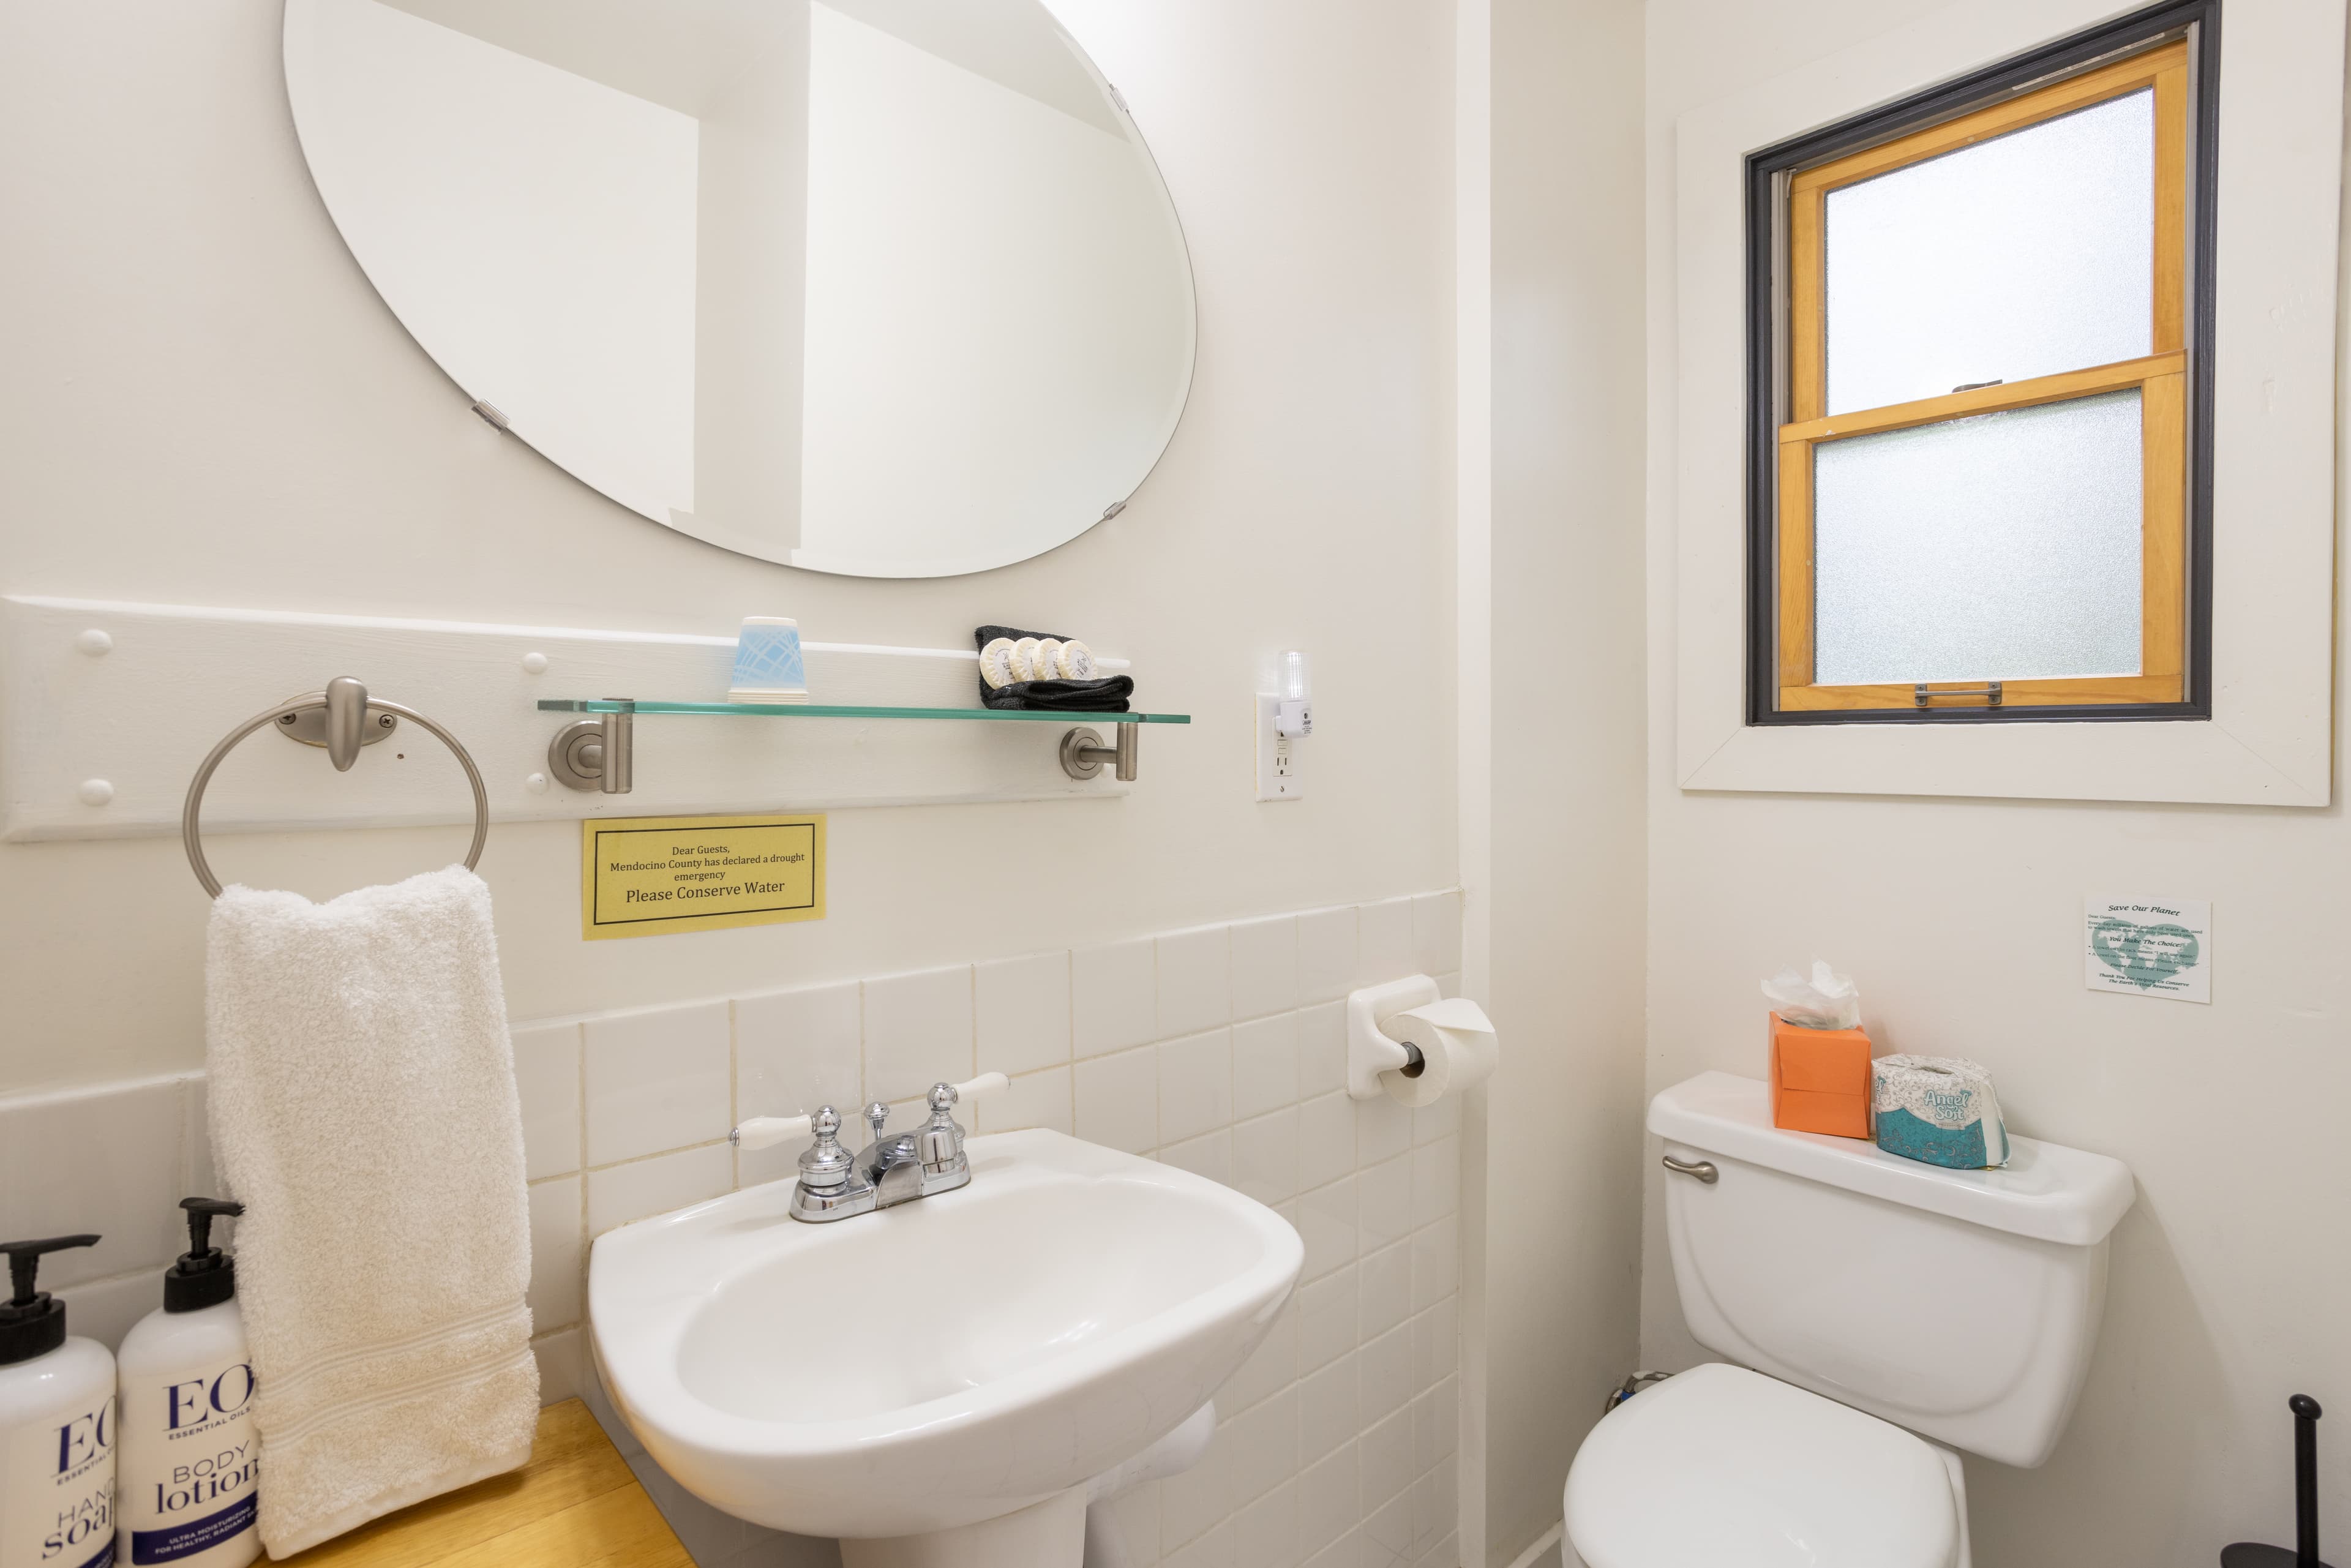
[765,1131]
[986,1083]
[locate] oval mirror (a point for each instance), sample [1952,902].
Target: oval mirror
[886,287]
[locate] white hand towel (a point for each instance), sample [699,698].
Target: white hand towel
[363,1109]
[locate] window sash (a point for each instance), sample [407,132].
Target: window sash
[2161,378]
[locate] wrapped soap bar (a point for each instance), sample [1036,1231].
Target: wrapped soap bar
[1940,1109]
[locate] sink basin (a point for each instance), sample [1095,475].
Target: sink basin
[977,1354]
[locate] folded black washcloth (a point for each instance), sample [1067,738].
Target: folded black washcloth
[1107,695]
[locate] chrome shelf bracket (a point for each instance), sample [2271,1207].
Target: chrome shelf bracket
[1083,753]
[596,753]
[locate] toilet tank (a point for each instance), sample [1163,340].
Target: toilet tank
[1961,1304]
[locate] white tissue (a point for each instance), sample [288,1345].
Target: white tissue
[1827,1001]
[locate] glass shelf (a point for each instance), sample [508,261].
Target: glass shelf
[825,710]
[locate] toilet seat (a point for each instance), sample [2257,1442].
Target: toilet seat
[1720,1467]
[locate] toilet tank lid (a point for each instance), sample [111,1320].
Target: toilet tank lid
[2046,1190]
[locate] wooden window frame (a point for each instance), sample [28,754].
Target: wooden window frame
[2171,50]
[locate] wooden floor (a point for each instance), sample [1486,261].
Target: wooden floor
[575,1505]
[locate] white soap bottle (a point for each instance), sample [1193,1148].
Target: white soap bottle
[191,1465]
[57,1426]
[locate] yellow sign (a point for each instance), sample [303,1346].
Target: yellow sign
[641,876]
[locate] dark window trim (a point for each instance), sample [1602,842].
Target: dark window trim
[1764,241]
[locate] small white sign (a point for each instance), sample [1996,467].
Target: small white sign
[2148,947]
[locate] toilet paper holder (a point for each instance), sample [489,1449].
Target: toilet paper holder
[1371,1050]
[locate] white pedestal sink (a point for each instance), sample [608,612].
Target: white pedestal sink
[937,1383]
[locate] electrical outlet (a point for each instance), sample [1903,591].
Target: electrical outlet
[1278,775]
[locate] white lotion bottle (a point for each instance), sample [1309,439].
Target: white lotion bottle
[191,1465]
[57,1426]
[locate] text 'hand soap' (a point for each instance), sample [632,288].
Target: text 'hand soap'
[57,1426]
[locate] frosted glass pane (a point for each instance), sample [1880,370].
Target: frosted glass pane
[2004,547]
[2023,255]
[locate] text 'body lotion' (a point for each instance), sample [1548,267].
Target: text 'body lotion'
[57,1426]
[190,1465]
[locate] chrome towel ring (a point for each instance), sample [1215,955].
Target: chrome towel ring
[347,710]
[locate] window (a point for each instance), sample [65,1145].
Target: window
[1982,441]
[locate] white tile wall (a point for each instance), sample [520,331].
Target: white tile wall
[1196,1085]
[1035,1099]
[1196,981]
[1385,949]
[1117,1100]
[1113,996]
[1265,1064]
[114,1159]
[1326,954]
[546,1076]
[620,1194]
[917,1031]
[1220,1048]
[1265,966]
[795,1051]
[657,1080]
[1021,1006]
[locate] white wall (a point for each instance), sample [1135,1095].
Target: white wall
[1561,1245]
[206,404]
[1962,921]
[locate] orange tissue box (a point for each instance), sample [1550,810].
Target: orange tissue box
[1820,1080]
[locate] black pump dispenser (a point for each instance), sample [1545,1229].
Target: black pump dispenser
[204,1276]
[32,1322]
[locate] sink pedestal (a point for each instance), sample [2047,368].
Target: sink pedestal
[1049,1534]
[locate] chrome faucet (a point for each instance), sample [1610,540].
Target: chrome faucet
[892,1169]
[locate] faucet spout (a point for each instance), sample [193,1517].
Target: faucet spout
[901,1182]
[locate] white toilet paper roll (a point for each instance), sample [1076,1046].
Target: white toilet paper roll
[1457,1045]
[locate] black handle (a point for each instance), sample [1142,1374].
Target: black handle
[2305,1479]
[25,1260]
[202,1212]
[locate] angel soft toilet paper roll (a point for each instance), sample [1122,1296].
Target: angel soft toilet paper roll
[1457,1045]
[1938,1109]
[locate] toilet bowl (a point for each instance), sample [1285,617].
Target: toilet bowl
[1721,1465]
[1877,1316]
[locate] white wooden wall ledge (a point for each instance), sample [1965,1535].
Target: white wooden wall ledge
[140,708]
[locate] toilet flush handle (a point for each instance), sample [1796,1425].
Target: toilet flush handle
[1702,1169]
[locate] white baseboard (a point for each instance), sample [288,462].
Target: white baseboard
[1546,1544]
